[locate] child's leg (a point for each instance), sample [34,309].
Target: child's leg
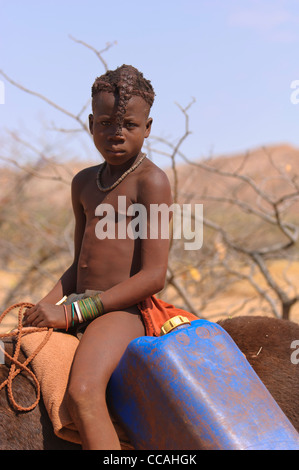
[97,355]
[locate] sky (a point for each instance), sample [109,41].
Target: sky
[235,59]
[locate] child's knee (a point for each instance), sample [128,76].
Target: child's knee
[83,395]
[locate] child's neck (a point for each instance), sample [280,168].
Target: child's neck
[113,170]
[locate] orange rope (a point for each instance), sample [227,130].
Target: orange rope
[13,372]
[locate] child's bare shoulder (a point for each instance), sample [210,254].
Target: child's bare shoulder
[153,181]
[83,176]
[152,173]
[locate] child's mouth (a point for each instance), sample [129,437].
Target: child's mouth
[115,150]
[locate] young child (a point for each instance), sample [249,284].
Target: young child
[124,269]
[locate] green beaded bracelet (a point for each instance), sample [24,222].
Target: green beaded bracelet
[90,308]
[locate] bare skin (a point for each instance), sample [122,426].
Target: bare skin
[126,270]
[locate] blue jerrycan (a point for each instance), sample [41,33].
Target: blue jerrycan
[192,388]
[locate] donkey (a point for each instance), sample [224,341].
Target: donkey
[266,343]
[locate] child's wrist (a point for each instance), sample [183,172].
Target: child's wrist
[83,310]
[67,316]
[87,309]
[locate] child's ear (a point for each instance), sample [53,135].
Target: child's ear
[148,127]
[90,118]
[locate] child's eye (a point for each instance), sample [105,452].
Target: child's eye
[105,123]
[130,125]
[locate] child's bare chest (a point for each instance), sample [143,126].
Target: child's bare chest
[112,209]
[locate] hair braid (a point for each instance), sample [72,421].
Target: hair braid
[126,81]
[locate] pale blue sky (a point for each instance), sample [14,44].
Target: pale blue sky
[236,58]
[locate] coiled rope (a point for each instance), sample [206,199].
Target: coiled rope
[22,366]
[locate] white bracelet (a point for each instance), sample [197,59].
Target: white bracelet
[79,315]
[61,301]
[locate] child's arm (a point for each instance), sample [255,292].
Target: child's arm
[67,283]
[63,287]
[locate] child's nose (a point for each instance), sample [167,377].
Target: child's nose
[116,134]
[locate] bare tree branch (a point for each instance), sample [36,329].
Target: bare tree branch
[97,53]
[45,99]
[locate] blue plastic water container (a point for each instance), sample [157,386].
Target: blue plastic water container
[192,388]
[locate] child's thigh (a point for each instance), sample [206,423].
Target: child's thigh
[103,344]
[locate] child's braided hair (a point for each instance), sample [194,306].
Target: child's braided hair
[126,81]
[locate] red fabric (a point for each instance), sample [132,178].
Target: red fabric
[155,312]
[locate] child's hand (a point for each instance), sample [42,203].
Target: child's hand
[43,314]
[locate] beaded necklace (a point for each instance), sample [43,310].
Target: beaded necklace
[121,178]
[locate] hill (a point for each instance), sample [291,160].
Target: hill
[271,168]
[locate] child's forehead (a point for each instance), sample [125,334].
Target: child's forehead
[107,103]
[104,100]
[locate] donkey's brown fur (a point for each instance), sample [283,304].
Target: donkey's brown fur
[266,342]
